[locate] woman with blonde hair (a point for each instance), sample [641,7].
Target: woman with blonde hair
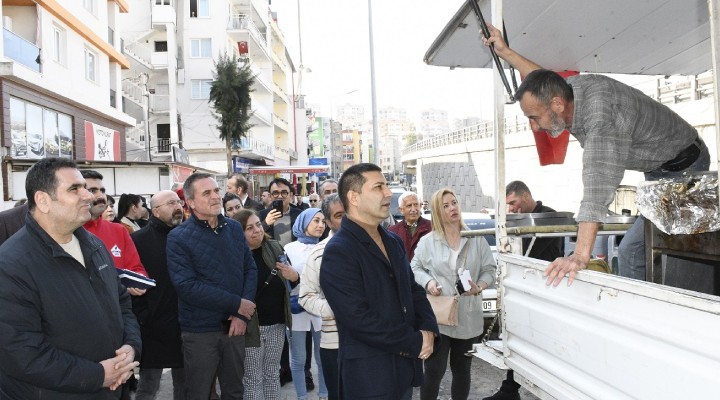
[441,258]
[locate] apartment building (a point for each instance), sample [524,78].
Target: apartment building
[172,46]
[60,82]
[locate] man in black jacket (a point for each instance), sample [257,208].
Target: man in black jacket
[157,310]
[67,330]
[519,200]
[237,184]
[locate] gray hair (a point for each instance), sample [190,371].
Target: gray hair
[404,195]
[329,201]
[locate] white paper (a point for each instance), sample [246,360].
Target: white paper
[465,278]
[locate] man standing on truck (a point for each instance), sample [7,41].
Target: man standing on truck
[620,129]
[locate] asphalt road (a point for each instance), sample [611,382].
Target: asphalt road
[485,381]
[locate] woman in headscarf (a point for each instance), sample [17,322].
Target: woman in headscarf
[272,304]
[308,228]
[441,257]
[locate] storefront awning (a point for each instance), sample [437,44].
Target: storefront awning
[289,169]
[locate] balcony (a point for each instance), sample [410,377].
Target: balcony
[250,147]
[240,26]
[159,59]
[21,50]
[163,145]
[163,14]
[261,115]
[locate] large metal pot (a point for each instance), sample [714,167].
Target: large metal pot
[540,219]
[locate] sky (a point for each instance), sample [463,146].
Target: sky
[335,48]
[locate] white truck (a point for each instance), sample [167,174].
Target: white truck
[603,337]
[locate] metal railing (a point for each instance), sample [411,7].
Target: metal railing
[694,88]
[254,146]
[20,50]
[163,145]
[244,22]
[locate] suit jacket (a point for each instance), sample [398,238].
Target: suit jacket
[252,204]
[380,311]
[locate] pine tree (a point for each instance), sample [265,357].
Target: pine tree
[230,98]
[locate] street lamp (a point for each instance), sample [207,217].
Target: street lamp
[376,129]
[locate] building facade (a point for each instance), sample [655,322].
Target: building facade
[60,82]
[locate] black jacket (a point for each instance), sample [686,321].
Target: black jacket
[157,309]
[252,204]
[58,319]
[547,249]
[11,221]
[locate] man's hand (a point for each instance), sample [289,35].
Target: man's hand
[562,266]
[247,308]
[119,368]
[495,39]
[272,216]
[427,346]
[136,292]
[433,288]
[237,327]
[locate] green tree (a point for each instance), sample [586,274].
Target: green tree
[230,98]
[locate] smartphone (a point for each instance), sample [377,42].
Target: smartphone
[459,286]
[283,259]
[277,205]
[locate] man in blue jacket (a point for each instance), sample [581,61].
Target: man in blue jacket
[385,323]
[215,278]
[67,330]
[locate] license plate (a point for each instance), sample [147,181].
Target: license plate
[489,305]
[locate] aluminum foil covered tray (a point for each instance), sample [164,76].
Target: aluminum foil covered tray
[683,205]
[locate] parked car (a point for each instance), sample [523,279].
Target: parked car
[394,209]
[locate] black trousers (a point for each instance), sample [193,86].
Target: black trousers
[460,365]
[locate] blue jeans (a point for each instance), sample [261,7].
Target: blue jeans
[631,252]
[297,363]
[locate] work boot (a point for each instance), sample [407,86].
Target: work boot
[509,390]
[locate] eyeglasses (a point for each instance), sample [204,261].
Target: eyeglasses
[172,203]
[277,193]
[235,207]
[313,201]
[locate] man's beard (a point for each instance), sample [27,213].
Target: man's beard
[557,125]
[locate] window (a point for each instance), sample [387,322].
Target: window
[199,8]
[58,50]
[90,6]
[90,65]
[201,88]
[200,48]
[39,132]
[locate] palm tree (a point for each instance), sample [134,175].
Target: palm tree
[230,98]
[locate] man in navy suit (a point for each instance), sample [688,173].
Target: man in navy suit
[385,323]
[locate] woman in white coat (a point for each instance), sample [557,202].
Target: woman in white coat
[308,228]
[438,257]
